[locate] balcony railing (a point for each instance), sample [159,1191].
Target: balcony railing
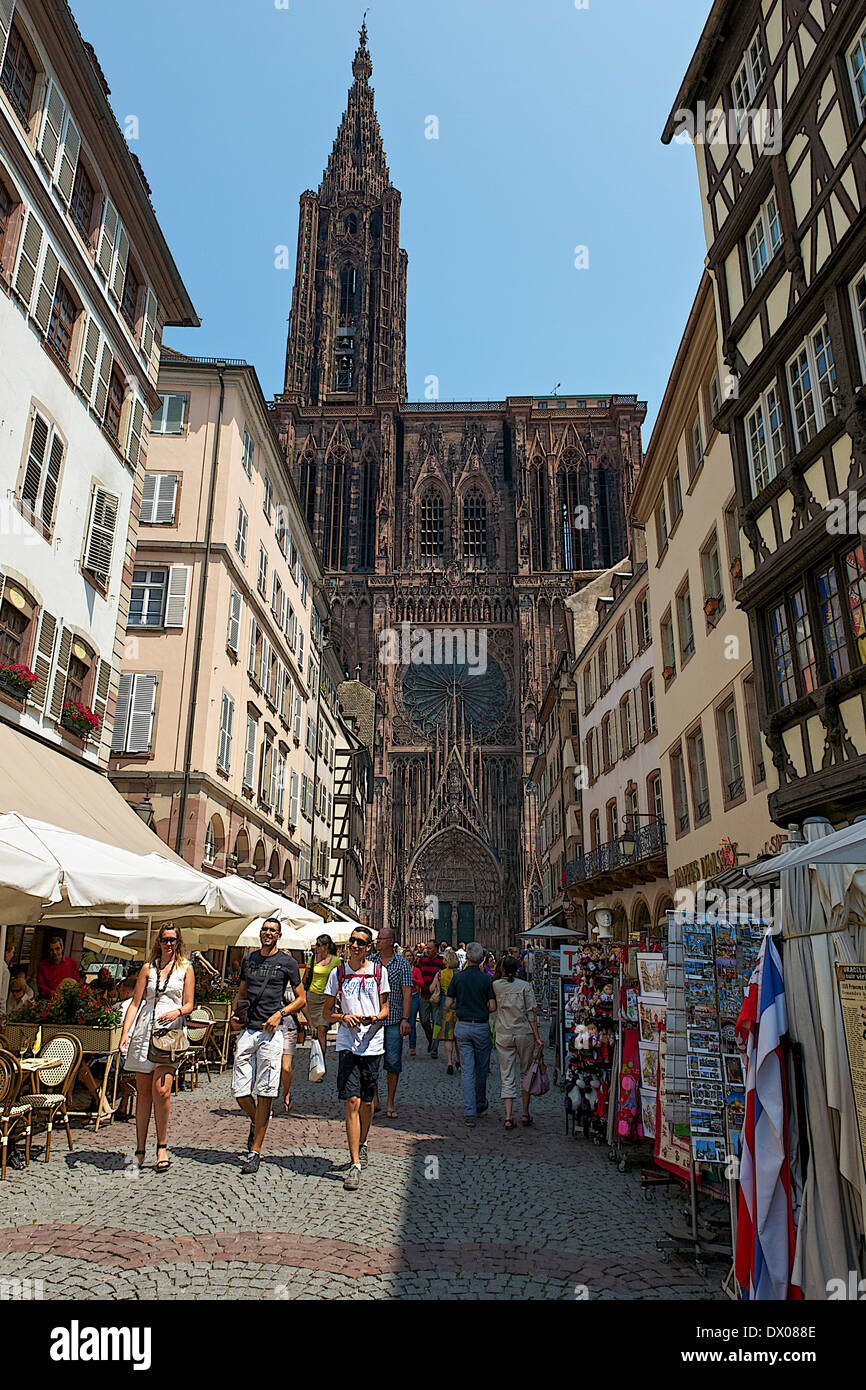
[606,858]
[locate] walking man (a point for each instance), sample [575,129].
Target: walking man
[429,963]
[356,997]
[259,1013]
[471,991]
[397,1027]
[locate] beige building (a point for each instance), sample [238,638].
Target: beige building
[716,771]
[554,776]
[224,722]
[622,867]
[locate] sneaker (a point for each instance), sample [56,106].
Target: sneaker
[251,1163]
[363,1155]
[450,1071]
[352,1180]
[469,1120]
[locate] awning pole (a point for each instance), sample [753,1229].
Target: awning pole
[147,944]
[3,930]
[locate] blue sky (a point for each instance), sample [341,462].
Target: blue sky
[549,125]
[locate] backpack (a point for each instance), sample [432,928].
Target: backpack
[343,974]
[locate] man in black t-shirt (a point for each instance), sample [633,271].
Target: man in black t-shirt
[259,1011]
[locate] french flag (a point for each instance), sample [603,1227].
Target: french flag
[765,1223]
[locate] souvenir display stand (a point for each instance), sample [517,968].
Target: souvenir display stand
[588,1036]
[641,997]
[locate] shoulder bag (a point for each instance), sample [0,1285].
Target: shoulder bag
[168,1043]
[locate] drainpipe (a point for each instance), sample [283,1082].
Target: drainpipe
[199,625]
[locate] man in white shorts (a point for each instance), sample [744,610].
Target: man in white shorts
[259,1013]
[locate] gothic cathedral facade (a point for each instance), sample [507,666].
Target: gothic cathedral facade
[450,533]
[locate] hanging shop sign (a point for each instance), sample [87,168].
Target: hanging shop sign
[708,865]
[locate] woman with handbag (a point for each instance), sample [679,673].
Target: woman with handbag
[154,1035]
[518,1043]
[323,960]
[443,1030]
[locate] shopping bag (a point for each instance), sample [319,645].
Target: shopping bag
[317,1061]
[536,1082]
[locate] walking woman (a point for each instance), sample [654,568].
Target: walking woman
[517,1040]
[444,1029]
[417,986]
[323,960]
[164,994]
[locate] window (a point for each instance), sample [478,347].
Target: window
[595,830]
[158,499]
[832,626]
[249,454]
[684,623]
[793,657]
[655,800]
[293,799]
[266,769]
[64,312]
[224,751]
[729,747]
[753,731]
[588,696]
[129,298]
[676,496]
[268,499]
[858,309]
[81,203]
[603,667]
[172,413]
[589,758]
[78,674]
[18,77]
[17,613]
[750,75]
[678,784]
[732,534]
[148,597]
[622,654]
[648,699]
[41,477]
[698,775]
[474,526]
[133,720]
[263,570]
[695,447]
[114,403]
[764,238]
[305,587]
[812,365]
[711,572]
[669,659]
[661,526]
[241,535]
[432,527]
[715,393]
[233,638]
[631,820]
[643,621]
[855,582]
[626,723]
[764,440]
[857,71]
[607,743]
[612,821]
[100,537]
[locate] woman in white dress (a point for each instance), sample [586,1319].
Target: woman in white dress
[164,990]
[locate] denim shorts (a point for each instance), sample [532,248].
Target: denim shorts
[357,1076]
[393,1049]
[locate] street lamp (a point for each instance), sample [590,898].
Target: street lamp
[628,842]
[144,811]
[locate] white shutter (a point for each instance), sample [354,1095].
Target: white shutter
[28,259]
[249,754]
[301,650]
[167,499]
[225,742]
[136,421]
[272,786]
[251,663]
[101,397]
[69,160]
[100,538]
[121,257]
[299,705]
[293,800]
[44,658]
[234,638]
[61,668]
[142,706]
[52,125]
[121,713]
[265,673]
[178,589]
[107,238]
[47,288]
[32,480]
[148,498]
[89,357]
[52,479]
[149,331]
[7,9]
[277,693]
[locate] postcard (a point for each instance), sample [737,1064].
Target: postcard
[698,943]
[707,1122]
[726,940]
[649,1066]
[707,1094]
[652,1021]
[648,1114]
[704,1066]
[734,1071]
[651,976]
[708,1150]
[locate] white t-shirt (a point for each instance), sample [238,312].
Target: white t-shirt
[461,956]
[360,996]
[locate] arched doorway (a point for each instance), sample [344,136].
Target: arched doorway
[455,891]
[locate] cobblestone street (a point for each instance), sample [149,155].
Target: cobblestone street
[443,1211]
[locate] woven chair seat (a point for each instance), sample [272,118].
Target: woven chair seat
[41,1101]
[14,1111]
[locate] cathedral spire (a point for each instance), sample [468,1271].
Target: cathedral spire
[357,163]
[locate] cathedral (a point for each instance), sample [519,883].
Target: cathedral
[451,533]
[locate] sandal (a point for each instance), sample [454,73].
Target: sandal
[139,1154]
[164,1164]
[390,1114]
[526,1119]
[509,1124]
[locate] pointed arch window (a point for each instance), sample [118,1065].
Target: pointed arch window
[348,293]
[335,546]
[572,496]
[308,486]
[432,534]
[538,558]
[475,526]
[367,533]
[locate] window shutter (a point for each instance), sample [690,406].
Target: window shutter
[136,422]
[52,125]
[142,706]
[7,9]
[100,539]
[118,274]
[52,479]
[225,743]
[178,589]
[298,712]
[28,259]
[293,800]
[100,697]
[277,693]
[265,673]
[107,238]
[148,334]
[101,397]
[89,357]
[301,650]
[121,714]
[61,668]
[43,659]
[45,297]
[165,505]
[69,160]
[251,663]
[272,785]
[250,753]
[32,479]
[148,498]
[234,637]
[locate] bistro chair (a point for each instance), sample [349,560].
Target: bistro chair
[12,1110]
[58,1082]
[199,1027]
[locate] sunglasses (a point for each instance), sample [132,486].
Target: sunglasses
[355,941]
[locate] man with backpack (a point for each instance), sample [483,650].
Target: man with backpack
[357,998]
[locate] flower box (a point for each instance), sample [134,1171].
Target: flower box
[712,606]
[668,672]
[92,1039]
[13,686]
[20,1035]
[736,568]
[79,719]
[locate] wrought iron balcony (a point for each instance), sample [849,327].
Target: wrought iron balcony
[609,860]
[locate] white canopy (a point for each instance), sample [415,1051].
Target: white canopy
[555,933]
[847,846]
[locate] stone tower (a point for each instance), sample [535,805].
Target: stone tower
[450,532]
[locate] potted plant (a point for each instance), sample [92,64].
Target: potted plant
[216,995]
[736,568]
[712,604]
[668,672]
[79,719]
[73,1008]
[16,679]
